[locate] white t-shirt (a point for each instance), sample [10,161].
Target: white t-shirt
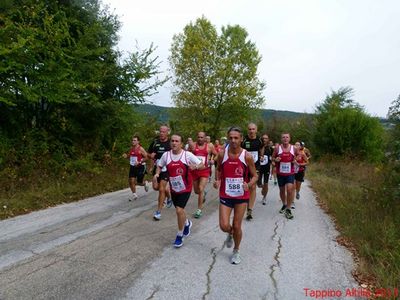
[185,156]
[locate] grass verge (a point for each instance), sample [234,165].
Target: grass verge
[354,193]
[40,190]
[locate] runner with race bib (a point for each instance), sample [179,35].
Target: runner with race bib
[253,144]
[232,178]
[284,157]
[156,150]
[137,167]
[265,167]
[203,151]
[178,164]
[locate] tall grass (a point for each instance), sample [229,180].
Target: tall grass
[362,199]
[41,188]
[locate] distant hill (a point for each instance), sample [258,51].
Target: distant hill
[162,113]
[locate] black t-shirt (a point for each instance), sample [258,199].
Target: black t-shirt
[253,146]
[159,148]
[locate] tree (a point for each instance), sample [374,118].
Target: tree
[394,116]
[215,77]
[62,80]
[343,128]
[394,110]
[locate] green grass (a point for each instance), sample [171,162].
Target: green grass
[355,194]
[39,190]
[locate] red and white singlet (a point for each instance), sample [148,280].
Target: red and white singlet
[234,172]
[202,155]
[285,167]
[180,179]
[135,156]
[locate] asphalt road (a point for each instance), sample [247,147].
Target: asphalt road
[108,248]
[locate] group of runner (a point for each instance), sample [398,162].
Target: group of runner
[241,164]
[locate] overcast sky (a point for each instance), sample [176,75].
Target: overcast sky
[309,47]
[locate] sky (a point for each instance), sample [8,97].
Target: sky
[308,47]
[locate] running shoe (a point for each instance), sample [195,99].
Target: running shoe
[133,197]
[157,215]
[288,214]
[186,229]
[198,214]
[264,200]
[297,195]
[236,259]
[178,241]
[229,241]
[249,215]
[169,203]
[282,210]
[146,186]
[293,206]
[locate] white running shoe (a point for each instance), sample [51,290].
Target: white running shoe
[133,197]
[236,259]
[157,215]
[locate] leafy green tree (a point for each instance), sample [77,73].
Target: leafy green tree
[343,128]
[62,83]
[215,77]
[394,110]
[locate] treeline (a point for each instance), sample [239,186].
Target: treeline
[66,93]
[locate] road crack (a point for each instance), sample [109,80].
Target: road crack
[214,254]
[277,264]
[156,289]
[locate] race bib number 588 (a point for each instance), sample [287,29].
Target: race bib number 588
[234,187]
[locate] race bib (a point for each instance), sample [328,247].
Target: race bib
[285,167]
[133,160]
[234,187]
[255,155]
[265,161]
[202,159]
[177,183]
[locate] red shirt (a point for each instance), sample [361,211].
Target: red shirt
[234,172]
[201,154]
[285,167]
[135,155]
[180,179]
[300,159]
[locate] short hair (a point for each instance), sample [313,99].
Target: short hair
[177,134]
[136,137]
[235,128]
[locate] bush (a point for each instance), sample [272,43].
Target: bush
[343,128]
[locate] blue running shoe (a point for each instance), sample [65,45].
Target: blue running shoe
[169,202]
[178,241]
[186,230]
